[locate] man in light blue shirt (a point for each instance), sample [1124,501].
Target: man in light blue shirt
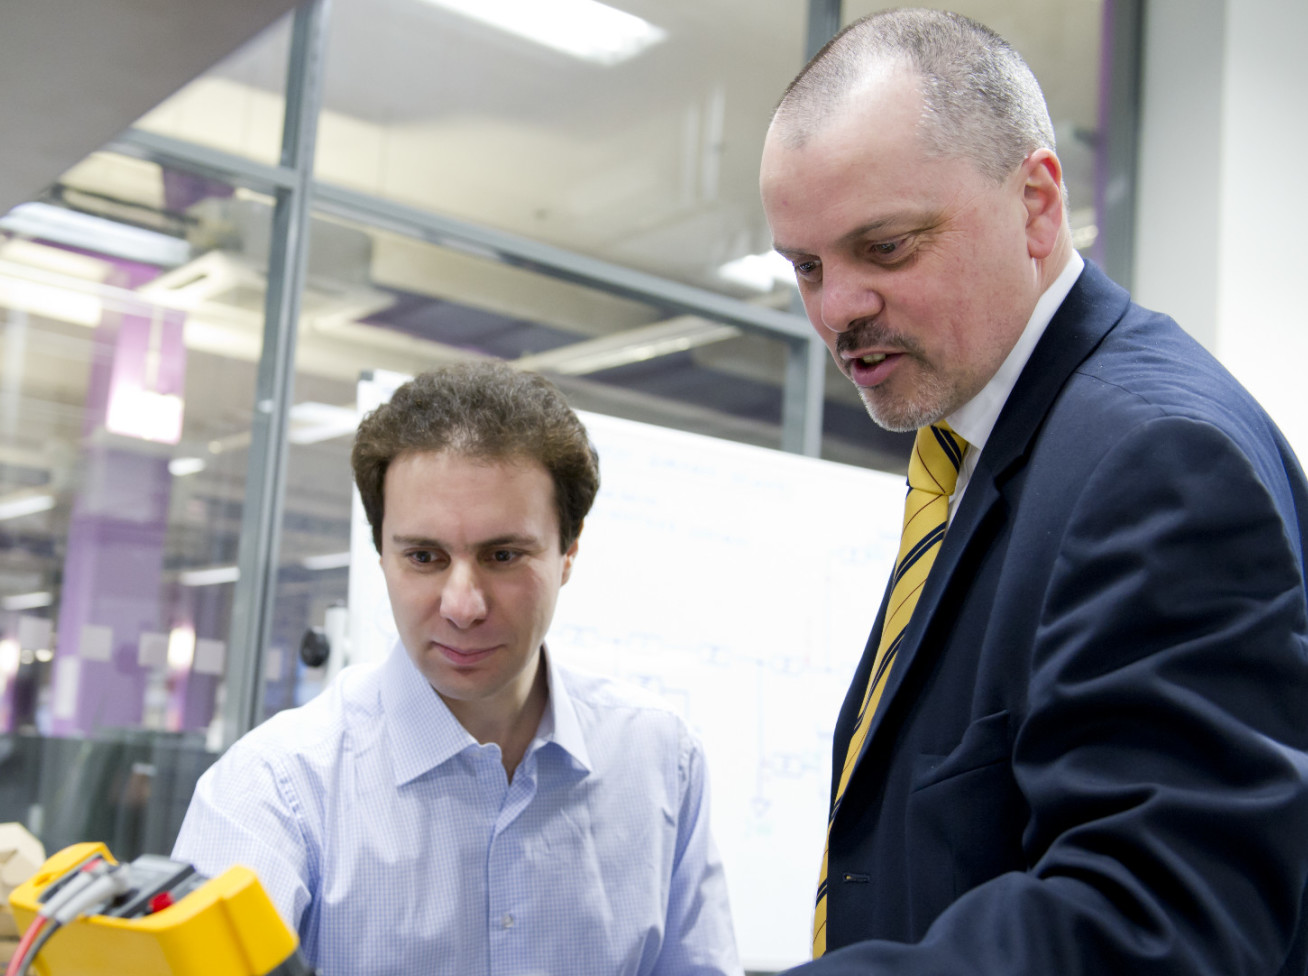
[467,806]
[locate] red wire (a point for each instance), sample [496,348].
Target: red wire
[25,944]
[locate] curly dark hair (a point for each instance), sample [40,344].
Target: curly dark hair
[485,410]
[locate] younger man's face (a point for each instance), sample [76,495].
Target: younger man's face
[471,557]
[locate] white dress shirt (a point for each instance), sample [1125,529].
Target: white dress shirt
[394,843]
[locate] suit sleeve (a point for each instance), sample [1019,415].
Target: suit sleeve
[1162,752]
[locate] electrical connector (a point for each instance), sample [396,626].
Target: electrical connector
[96,896]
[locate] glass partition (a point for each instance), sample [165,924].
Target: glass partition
[130,323]
[646,157]
[376,300]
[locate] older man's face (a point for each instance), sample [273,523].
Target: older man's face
[916,271]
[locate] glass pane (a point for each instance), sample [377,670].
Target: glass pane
[650,162]
[131,326]
[237,105]
[378,301]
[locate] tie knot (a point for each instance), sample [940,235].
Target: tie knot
[937,456]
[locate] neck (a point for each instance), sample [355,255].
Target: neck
[511,726]
[1051,266]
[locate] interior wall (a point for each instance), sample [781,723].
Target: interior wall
[1220,242]
[1262,318]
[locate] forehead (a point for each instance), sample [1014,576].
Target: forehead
[871,140]
[450,485]
[865,170]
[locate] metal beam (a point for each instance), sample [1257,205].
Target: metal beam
[804,396]
[823,22]
[261,515]
[1119,137]
[214,163]
[555,262]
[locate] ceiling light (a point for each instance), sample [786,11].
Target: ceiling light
[27,601]
[210,577]
[313,422]
[761,272]
[585,29]
[181,648]
[180,467]
[56,259]
[632,346]
[20,504]
[327,560]
[50,301]
[72,227]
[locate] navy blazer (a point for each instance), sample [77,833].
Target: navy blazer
[1092,754]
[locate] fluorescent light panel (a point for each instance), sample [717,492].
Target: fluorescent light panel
[313,422]
[585,29]
[210,577]
[761,272]
[327,560]
[180,467]
[27,601]
[631,346]
[77,229]
[16,506]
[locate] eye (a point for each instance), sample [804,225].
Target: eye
[503,557]
[423,557]
[806,269]
[891,251]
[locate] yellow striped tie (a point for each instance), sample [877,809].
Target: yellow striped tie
[932,476]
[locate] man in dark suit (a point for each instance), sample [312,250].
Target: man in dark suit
[1078,740]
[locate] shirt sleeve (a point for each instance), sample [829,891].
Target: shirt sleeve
[244,812]
[699,939]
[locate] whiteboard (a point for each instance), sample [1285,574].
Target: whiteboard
[740,584]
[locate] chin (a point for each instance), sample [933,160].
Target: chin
[901,418]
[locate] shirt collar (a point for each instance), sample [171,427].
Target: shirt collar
[560,724]
[975,419]
[425,734]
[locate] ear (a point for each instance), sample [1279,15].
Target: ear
[571,555]
[1042,193]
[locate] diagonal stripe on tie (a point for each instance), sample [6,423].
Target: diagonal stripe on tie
[932,476]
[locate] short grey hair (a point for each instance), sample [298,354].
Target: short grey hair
[980,99]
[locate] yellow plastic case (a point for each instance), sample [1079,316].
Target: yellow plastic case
[226,927]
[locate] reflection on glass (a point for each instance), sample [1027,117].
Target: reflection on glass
[126,394]
[236,106]
[650,161]
[378,301]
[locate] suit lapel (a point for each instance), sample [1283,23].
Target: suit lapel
[1093,306]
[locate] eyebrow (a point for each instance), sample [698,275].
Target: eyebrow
[425,542]
[863,230]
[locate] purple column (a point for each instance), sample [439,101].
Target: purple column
[113,567]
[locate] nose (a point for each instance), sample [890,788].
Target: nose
[846,297]
[463,600]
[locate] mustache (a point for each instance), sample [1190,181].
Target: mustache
[869,332]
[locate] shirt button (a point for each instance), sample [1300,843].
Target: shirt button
[506,922]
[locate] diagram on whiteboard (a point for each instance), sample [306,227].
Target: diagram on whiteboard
[739,584]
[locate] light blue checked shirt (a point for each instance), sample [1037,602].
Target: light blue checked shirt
[393,842]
